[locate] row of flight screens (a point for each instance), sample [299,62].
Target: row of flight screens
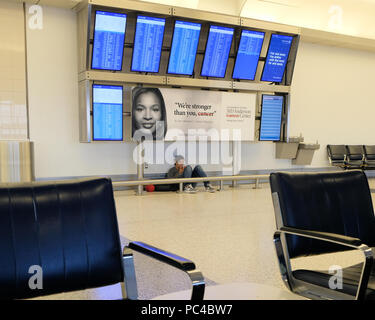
[108,114]
[109,38]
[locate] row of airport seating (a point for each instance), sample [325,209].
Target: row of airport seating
[352,156]
[76,239]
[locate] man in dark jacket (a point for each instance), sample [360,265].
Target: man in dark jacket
[181,171]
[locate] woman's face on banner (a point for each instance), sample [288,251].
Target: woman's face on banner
[147,111]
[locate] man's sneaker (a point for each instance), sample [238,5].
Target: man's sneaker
[209,189]
[189,189]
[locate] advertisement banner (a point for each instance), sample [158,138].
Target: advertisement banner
[179,114]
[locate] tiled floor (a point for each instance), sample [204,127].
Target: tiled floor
[227,234]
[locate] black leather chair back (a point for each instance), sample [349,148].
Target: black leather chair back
[337,202]
[355,152]
[370,152]
[68,228]
[336,152]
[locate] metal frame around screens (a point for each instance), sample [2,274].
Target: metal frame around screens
[205,50]
[86,76]
[260,52]
[287,59]
[123,45]
[135,35]
[281,118]
[196,50]
[122,112]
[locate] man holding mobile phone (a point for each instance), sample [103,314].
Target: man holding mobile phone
[181,171]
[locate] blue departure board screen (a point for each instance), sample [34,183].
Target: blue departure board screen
[248,53]
[148,43]
[107,112]
[217,52]
[109,37]
[277,57]
[184,47]
[270,123]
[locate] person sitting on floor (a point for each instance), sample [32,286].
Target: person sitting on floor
[181,171]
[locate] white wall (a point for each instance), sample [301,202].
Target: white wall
[13,113]
[332,97]
[331,102]
[53,103]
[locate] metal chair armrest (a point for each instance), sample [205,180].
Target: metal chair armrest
[163,256]
[324,236]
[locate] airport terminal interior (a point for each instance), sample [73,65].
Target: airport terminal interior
[226,131]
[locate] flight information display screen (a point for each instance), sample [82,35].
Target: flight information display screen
[109,37]
[270,123]
[107,112]
[277,57]
[248,53]
[148,43]
[184,47]
[217,52]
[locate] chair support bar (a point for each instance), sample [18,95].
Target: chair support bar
[171,259]
[129,286]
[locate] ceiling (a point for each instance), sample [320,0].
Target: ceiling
[68,4]
[236,4]
[339,22]
[348,17]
